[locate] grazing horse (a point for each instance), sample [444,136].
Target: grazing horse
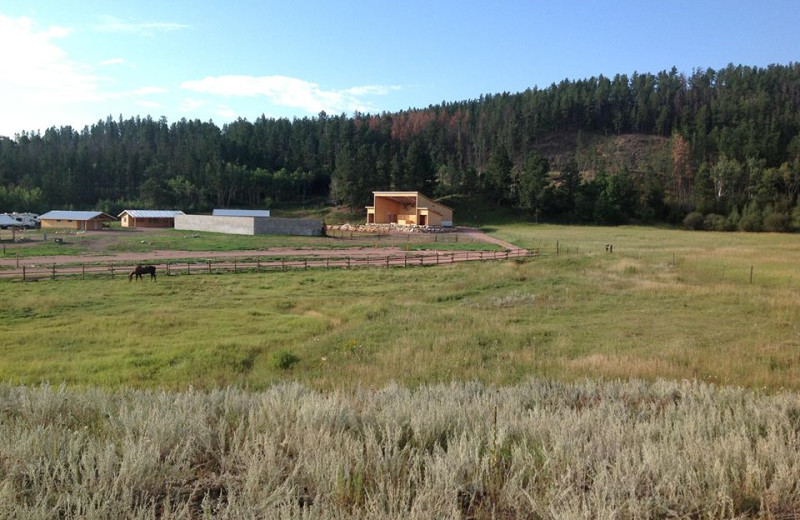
[140,269]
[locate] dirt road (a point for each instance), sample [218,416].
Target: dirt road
[164,256]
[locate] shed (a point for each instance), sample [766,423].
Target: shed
[80,220]
[409,208]
[152,218]
[240,213]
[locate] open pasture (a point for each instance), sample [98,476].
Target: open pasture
[665,304]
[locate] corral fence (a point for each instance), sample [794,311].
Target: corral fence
[258,264]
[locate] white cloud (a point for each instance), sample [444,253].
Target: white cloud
[191,104]
[226,112]
[146,91]
[39,66]
[115,25]
[40,85]
[149,104]
[290,92]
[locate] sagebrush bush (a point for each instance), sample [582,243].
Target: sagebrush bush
[694,220]
[284,360]
[466,450]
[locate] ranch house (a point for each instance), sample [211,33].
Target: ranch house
[78,220]
[409,208]
[136,218]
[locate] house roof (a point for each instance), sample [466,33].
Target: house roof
[5,220]
[75,215]
[408,196]
[241,213]
[151,213]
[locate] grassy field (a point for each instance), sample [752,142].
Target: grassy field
[665,304]
[659,380]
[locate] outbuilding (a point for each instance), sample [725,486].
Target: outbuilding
[407,208]
[79,220]
[150,218]
[241,213]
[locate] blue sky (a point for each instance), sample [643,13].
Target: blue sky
[65,62]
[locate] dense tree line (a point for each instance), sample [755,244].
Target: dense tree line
[718,149]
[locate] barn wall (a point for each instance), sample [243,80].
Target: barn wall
[249,225]
[231,225]
[61,224]
[288,226]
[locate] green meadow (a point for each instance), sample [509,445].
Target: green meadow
[664,304]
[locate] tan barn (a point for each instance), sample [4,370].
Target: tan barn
[79,220]
[134,218]
[407,208]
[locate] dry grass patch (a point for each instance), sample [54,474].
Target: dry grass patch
[539,449]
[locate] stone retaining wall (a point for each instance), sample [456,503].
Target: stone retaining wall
[391,228]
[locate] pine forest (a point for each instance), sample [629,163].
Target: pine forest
[716,149]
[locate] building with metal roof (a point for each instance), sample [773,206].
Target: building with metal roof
[153,218]
[240,213]
[79,220]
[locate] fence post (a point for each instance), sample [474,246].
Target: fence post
[83,271]
[234,266]
[283,264]
[305,264]
[188,268]
[327,263]
[751,274]
[387,264]
[209,266]
[54,271]
[258,264]
[168,273]
[112,271]
[348,262]
[23,273]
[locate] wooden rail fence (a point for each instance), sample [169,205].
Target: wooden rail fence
[258,264]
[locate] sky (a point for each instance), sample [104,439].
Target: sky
[66,62]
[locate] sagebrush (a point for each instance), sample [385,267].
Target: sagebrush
[538,449]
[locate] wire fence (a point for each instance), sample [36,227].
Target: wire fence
[258,264]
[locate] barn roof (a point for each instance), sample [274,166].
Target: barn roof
[241,213]
[75,215]
[151,213]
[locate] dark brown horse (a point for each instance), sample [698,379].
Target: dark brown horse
[140,269]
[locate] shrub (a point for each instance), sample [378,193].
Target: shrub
[778,221]
[693,220]
[284,360]
[751,219]
[714,222]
